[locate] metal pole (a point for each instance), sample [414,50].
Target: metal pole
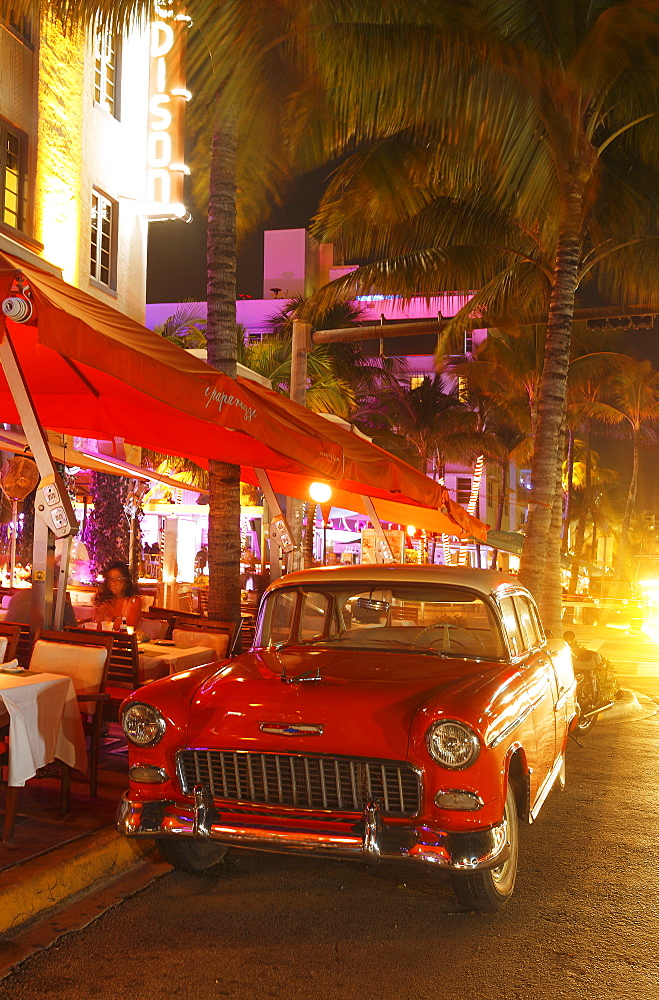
[383,551]
[12,551]
[53,512]
[300,347]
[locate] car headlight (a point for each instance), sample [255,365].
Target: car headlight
[143,724]
[452,744]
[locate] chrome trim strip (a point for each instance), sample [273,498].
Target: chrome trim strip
[368,840]
[546,787]
[493,741]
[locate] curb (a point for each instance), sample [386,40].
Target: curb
[632,705]
[29,889]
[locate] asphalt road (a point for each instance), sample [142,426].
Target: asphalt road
[583,922]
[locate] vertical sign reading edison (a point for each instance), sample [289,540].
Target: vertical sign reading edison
[167,97]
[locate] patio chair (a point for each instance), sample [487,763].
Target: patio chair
[9,638]
[123,670]
[209,628]
[85,658]
[24,646]
[11,798]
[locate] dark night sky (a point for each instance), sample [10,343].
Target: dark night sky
[176,268]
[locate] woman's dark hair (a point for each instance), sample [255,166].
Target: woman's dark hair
[104,594]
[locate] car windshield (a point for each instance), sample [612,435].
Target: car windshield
[447,621]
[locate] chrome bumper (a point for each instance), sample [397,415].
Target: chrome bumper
[367,840]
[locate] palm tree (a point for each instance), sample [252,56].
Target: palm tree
[633,393]
[586,380]
[503,146]
[426,426]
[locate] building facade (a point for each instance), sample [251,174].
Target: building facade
[73,124]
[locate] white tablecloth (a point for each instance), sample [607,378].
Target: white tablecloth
[44,723]
[159,661]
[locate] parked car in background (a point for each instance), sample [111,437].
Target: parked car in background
[398,712]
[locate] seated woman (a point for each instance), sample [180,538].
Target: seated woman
[117,597]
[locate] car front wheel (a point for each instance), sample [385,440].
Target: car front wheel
[488,890]
[190,855]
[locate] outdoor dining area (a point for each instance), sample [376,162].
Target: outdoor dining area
[60,692]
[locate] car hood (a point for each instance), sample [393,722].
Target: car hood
[363,705]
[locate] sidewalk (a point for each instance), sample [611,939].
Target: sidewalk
[53,857]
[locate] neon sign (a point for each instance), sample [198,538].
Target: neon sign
[166,129]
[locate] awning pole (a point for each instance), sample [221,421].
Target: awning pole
[279,534]
[383,551]
[53,510]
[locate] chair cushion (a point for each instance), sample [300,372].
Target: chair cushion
[185,638]
[83,664]
[155,628]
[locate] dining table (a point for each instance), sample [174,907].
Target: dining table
[159,659]
[44,723]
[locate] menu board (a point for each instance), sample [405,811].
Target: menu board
[396,539]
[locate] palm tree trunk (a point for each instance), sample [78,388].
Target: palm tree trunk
[552,609]
[224,479]
[583,516]
[500,504]
[541,542]
[621,558]
[570,492]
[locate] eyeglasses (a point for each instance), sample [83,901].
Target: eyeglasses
[116,579]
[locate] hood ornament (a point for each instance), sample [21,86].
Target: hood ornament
[291,729]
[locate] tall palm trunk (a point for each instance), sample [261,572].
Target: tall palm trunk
[583,516]
[621,557]
[570,492]
[503,487]
[552,610]
[542,542]
[224,479]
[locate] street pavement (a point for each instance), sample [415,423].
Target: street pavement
[583,921]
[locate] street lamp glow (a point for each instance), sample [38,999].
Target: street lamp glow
[320,492]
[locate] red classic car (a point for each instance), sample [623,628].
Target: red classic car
[384,712]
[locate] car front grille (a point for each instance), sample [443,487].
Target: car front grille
[343,784]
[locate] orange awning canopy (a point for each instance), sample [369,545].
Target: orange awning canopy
[93,372]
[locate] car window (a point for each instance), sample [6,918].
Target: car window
[446,621]
[314,617]
[516,637]
[528,620]
[280,615]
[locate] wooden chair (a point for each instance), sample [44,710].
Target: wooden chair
[11,798]
[85,657]
[247,629]
[397,614]
[12,634]
[155,628]
[24,647]
[203,625]
[123,669]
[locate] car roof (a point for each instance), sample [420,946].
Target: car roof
[485,581]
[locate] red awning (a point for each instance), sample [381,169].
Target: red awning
[93,372]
